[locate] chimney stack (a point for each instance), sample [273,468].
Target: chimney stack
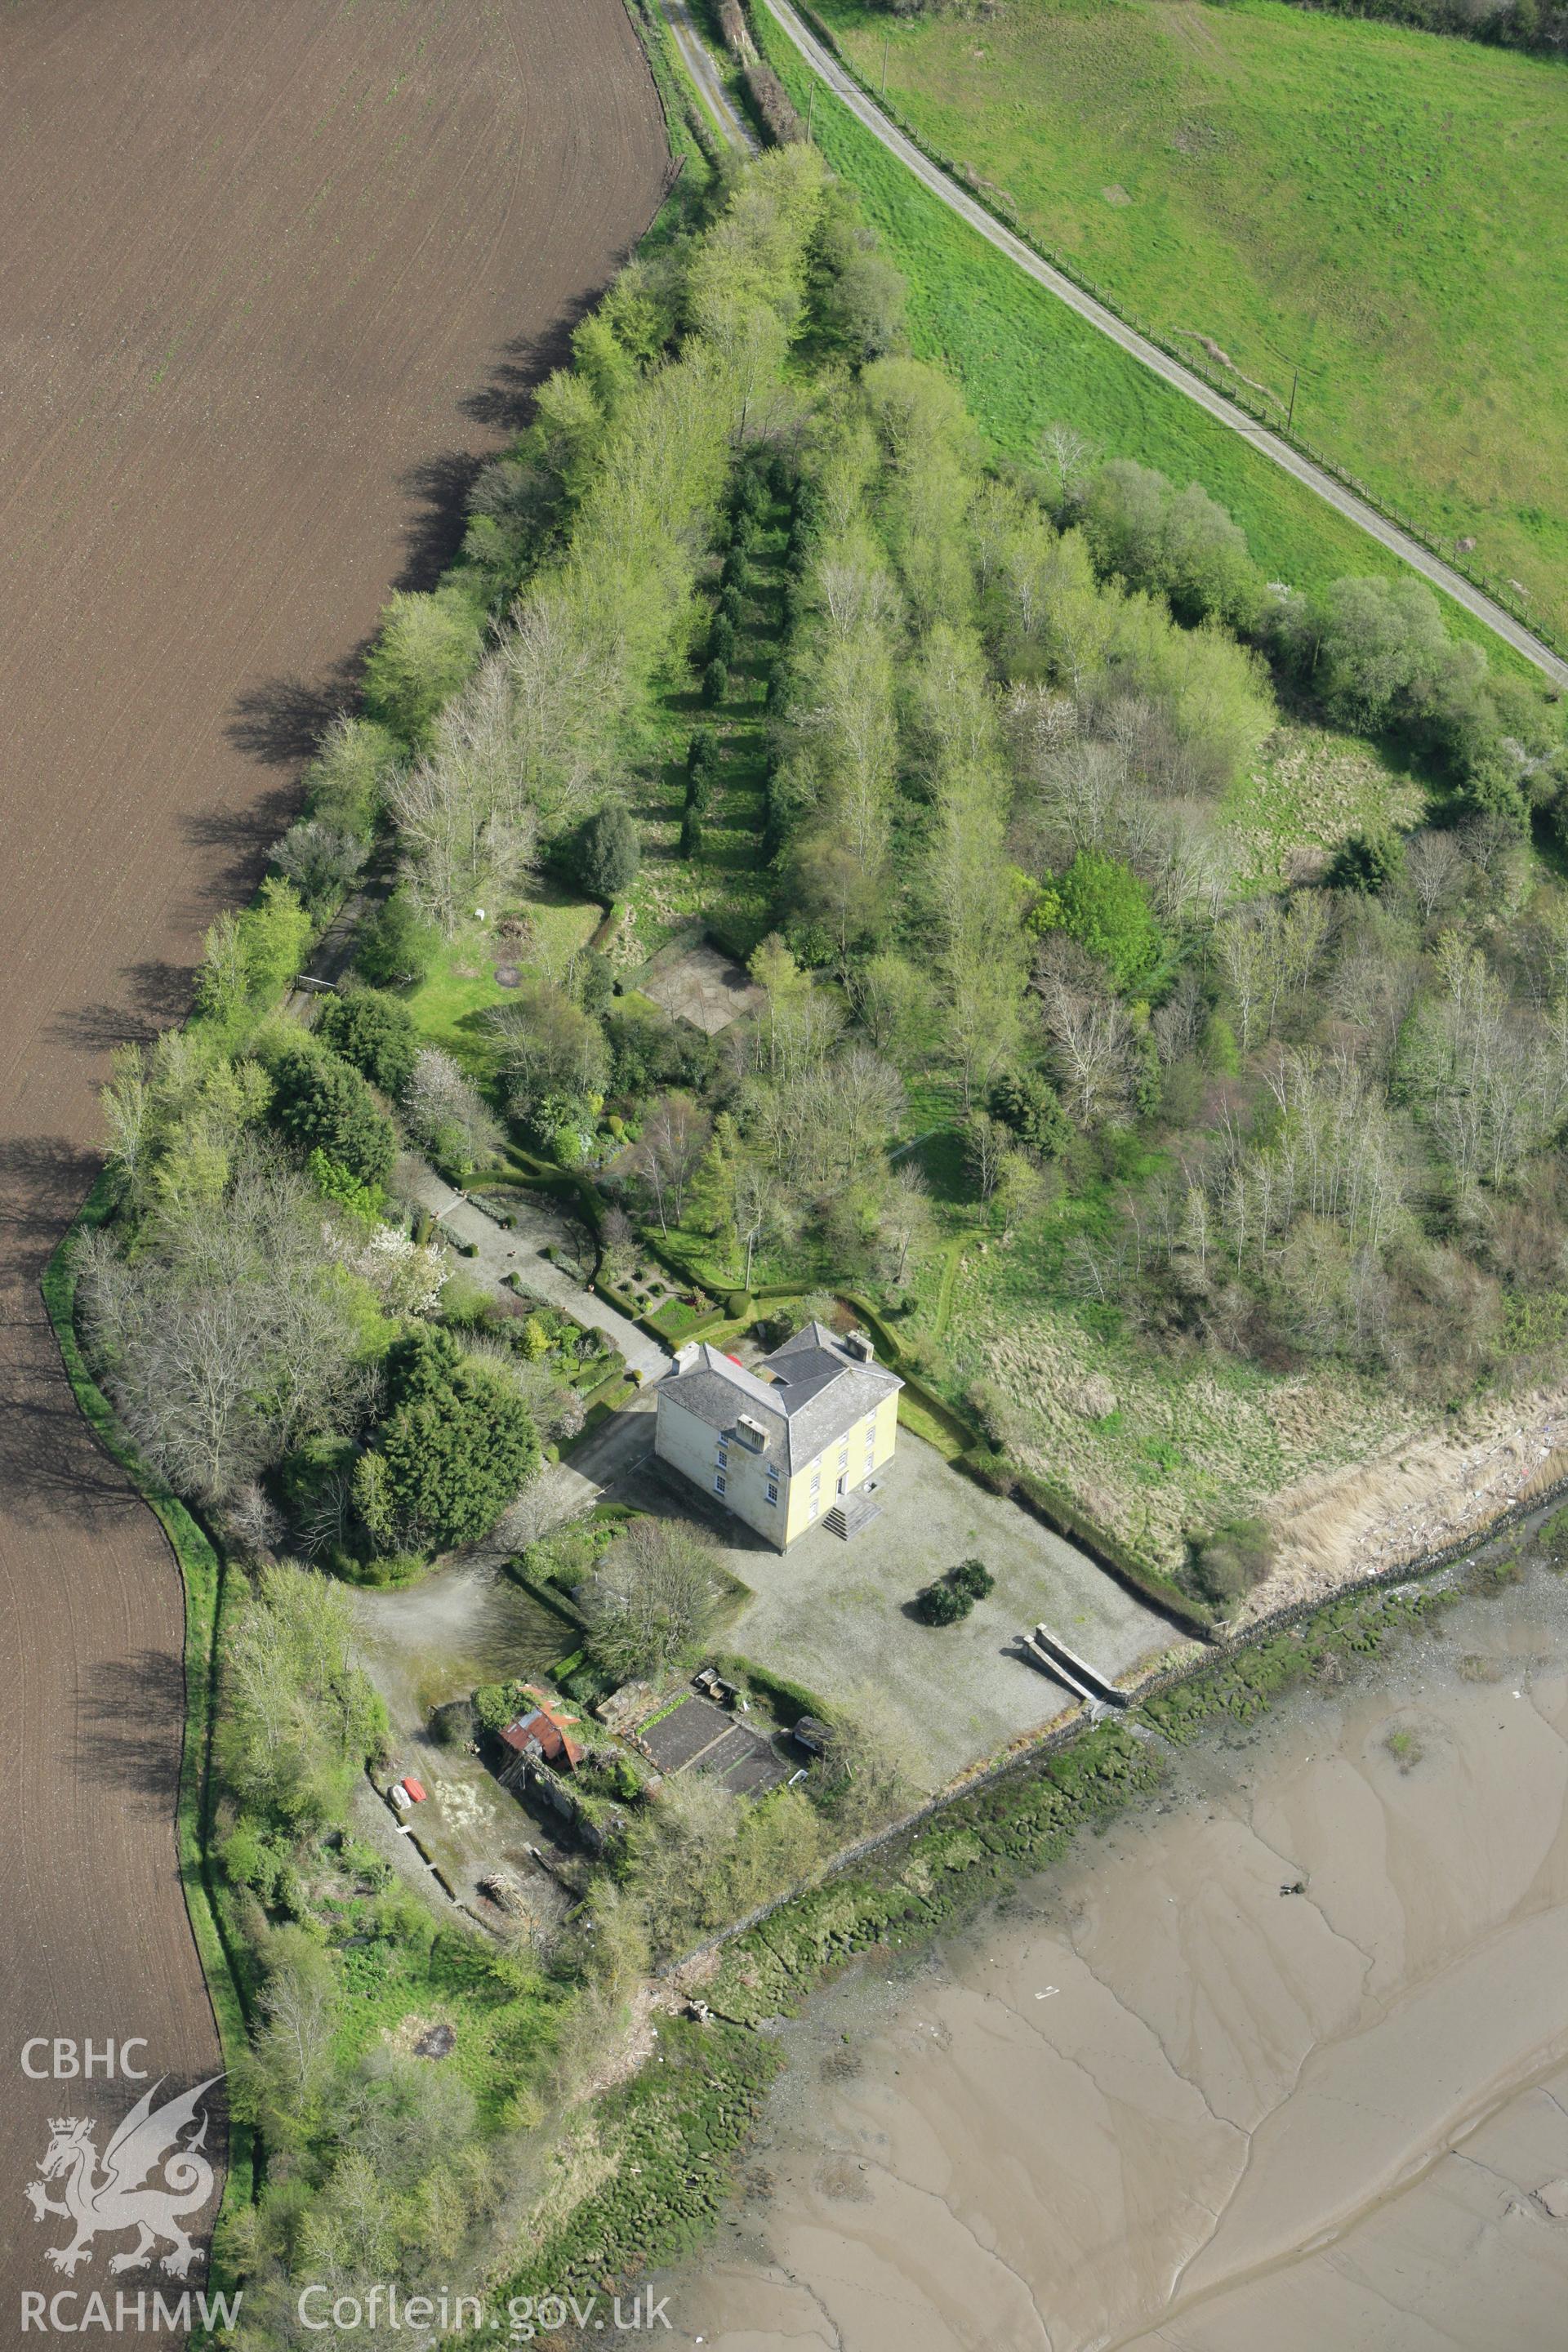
[859,1345]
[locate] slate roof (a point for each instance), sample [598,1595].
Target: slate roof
[805,1394]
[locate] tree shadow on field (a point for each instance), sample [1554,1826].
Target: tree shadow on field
[432,539]
[158,996]
[129,1719]
[43,1180]
[242,835]
[504,403]
[50,1468]
[280,721]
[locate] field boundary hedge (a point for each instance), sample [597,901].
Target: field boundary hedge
[203,1581]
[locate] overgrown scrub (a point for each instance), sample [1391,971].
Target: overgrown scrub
[1247,1683]
[379,2161]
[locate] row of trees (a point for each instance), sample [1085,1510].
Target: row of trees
[1372,654]
[629,458]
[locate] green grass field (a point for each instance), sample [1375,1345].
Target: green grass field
[1383,209]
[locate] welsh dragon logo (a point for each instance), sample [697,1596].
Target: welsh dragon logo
[118,2195]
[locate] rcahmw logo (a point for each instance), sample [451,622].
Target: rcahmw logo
[149,2179]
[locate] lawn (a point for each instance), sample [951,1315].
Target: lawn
[725,887]
[1379,209]
[461,988]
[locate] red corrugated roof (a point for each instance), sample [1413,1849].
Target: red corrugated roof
[555,1743]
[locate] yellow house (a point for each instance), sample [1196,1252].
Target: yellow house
[793,1440]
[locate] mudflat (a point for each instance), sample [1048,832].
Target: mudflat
[1165,2101]
[274,274]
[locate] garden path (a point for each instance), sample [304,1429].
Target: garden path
[520,1251]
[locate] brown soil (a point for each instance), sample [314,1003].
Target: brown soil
[274,274]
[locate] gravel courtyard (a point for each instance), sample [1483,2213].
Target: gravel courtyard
[836,1615]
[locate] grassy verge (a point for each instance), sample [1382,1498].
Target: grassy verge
[1024,361]
[693,141]
[202,1576]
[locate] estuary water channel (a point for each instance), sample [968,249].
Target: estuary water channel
[1279,2063]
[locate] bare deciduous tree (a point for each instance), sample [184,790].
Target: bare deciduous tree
[985,1144]
[669,1153]
[1434,872]
[440,1100]
[1069,456]
[651,1597]
[1091,1043]
[230,1341]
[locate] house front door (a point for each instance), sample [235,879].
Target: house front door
[843,1481]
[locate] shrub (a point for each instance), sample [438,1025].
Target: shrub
[608,853]
[1370,862]
[721,639]
[1230,1559]
[972,1576]
[496,1704]
[1027,1103]
[1101,903]
[374,1032]
[396,945]
[715,683]
[943,1603]
[321,1102]
[455,1723]
[334,1182]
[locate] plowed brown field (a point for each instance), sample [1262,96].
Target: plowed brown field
[271,273]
